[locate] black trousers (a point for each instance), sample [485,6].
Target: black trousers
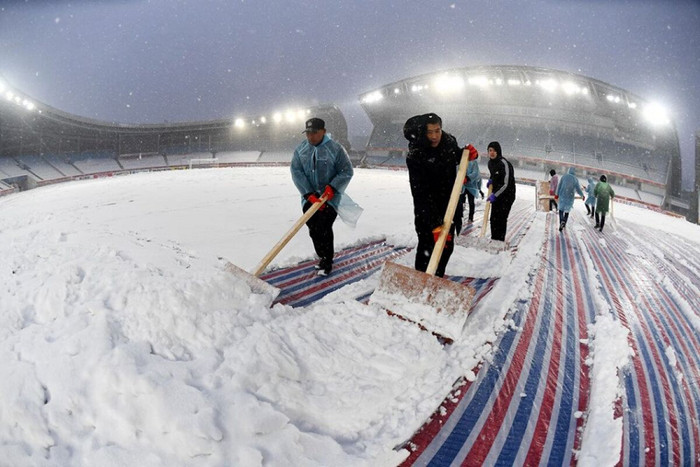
[600,219]
[500,210]
[321,232]
[426,243]
[470,200]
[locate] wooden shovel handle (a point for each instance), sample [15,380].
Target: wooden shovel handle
[487,211]
[449,214]
[288,236]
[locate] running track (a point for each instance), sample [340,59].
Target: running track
[528,403]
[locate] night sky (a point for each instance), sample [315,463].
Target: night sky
[151,61]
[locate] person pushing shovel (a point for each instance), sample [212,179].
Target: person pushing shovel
[432,161]
[321,168]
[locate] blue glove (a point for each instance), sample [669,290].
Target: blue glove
[488,184]
[491,198]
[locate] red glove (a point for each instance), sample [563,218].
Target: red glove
[556,197]
[329,192]
[473,153]
[313,199]
[436,234]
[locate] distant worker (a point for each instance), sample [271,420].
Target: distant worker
[604,194]
[502,181]
[472,183]
[432,161]
[321,166]
[553,189]
[590,198]
[568,184]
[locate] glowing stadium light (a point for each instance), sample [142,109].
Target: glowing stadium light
[418,87]
[499,82]
[446,84]
[9,96]
[28,104]
[570,88]
[290,116]
[263,120]
[549,84]
[397,91]
[478,80]
[302,114]
[374,96]
[632,105]
[514,82]
[277,117]
[239,123]
[656,114]
[612,98]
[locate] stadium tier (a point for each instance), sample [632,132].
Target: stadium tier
[543,119]
[59,144]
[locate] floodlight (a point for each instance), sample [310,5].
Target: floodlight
[277,117]
[397,91]
[570,88]
[514,82]
[656,114]
[263,120]
[239,123]
[446,84]
[290,116]
[478,80]
[301,114]
[549,84]
[374,96]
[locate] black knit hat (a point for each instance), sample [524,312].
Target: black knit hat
[496,146]
[603,178]
[432,118]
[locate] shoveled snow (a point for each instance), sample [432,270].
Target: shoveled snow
[125,342]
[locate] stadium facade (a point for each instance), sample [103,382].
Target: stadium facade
[543,119]
[40,144]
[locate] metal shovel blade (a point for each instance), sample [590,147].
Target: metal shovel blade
[257,285]
[439,305]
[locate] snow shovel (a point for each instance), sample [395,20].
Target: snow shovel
[259,286]
[612,214]
[436,304]
[486,244]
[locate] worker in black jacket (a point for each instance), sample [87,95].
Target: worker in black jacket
[433,159]
[502,181]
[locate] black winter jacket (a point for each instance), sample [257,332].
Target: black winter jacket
[503,179]
[432,172]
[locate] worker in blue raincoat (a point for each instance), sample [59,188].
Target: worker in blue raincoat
[566,191]
[472,183]
[321,166]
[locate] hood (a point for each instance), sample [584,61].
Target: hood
[572,171]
